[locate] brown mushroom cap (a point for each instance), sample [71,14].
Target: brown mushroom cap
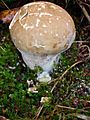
[42,28]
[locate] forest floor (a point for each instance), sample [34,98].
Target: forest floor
[67,95]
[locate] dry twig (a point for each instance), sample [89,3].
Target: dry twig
[39,111]
[65,72]
[84,10]
[81,41]
[65,107]
[5,5]
[83,46]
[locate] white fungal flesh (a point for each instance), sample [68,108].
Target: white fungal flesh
[44,77]
[70,39]
[36,60]
[39,9]
[43,6]
[36,14]
[64,37]
[45,13]
[56,34]
[47,64]
[60,10]
[37,23]
[67,24]
[50,21]
[44,25]
[38,46]
[29,27]
[53,7]
[41,34]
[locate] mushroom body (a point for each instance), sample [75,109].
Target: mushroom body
[41,31]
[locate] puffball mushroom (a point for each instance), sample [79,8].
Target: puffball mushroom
[41,31]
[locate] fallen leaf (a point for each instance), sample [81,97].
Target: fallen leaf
[7,15]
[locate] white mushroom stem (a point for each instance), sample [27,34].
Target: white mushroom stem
[45,62]
[44,77]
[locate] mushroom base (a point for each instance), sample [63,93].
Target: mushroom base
[46,62]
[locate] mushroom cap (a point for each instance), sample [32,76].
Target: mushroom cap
[42,28]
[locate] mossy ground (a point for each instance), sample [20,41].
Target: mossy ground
[69,99]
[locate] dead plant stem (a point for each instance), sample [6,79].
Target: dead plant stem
[65,72]
[84,10]
[5,5]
